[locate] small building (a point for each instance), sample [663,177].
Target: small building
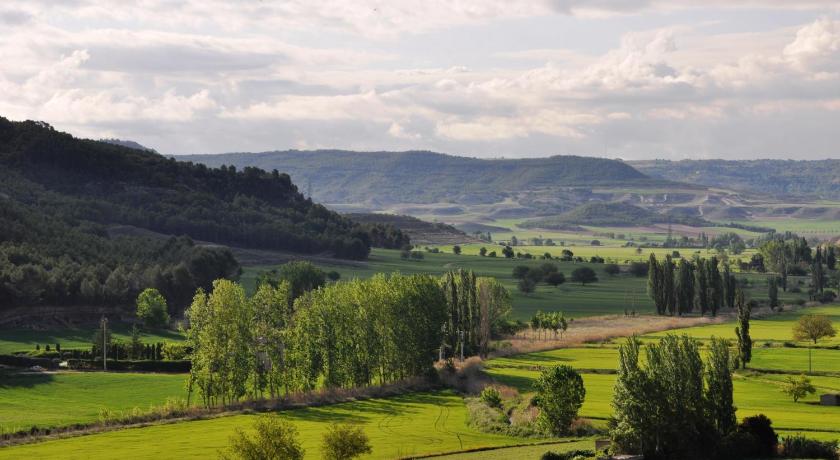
[830,399]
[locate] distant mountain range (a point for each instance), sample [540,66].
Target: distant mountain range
[817,179]
[384,178]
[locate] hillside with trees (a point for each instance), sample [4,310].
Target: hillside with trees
[338,176]
[814,179]
[609,214]
[61,195]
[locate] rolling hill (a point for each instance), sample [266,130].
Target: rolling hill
[779,178]
[380,179]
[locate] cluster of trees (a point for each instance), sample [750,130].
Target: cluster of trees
[293,337]
[679,288]
[554,322]
[676,406]
[476,308]
[529,276]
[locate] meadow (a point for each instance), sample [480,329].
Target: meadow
[63,398]
[401,426]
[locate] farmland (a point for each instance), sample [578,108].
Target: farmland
[612,294]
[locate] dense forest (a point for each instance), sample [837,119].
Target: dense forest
[339,176]
[814,179]
[60,195]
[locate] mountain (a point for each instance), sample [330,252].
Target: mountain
[384,178]
[818,179]
[60,196]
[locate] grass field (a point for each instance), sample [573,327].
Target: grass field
[610,295]
[16,340]
[524,452]
[54,399]
[400,426]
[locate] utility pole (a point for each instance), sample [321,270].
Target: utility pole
[104,324]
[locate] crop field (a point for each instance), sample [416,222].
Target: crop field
[612,294]
[18,340]
[804,227]
[63,398]
[400,426]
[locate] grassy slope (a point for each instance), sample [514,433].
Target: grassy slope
[400,426]
[14,340]
[64,398]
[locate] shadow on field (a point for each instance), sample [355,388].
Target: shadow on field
[364,411]
[15,380]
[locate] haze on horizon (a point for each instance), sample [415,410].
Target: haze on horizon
[633,79]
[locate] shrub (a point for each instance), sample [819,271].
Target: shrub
[612,269]
[798,388]
[584,275]
[802,447]
[333,275]
[491,397]
[760,428]
[274,438]
[555,278]
[638,269]
[345,442]
[570,455]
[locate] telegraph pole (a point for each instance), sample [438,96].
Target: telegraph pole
[104,324]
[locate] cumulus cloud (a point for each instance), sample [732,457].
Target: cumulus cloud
[212,76]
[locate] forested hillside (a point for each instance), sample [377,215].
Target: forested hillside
[813,179]
[609,214]
[60,194]
[338,176]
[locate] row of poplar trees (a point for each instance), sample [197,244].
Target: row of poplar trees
[680,288]
[342,335]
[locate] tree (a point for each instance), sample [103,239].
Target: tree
[152,309]
[685,287]
[302,276]
[655,285]
[135,347]
[333,275]
[555,278]
[813,328]
[482,252]
[701,286]
[526,285]
[456,249]
[584,275]
[560,393]
[719,387]
[715,285]
[798,388]
[345,442]
[507,251]
[274,438]
[743,329]
[521,271]
[612,269]
[773,291]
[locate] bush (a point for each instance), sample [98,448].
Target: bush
[584,275]
[333,275]
[802,447]
[274,438]
[638,269]
[345,442]
[760,428]
[570,455]
[491,397]
[612,269]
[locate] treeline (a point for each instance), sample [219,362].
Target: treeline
[681,288]
[345,334]
[80,180]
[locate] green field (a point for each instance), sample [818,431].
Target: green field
[610,295]
[400,426]
[24,340]
[63,398]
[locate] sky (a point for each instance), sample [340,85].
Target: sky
[631,79]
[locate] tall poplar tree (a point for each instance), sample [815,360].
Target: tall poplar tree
[743,329]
